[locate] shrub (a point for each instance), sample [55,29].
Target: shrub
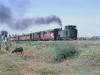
[63,51]
[17,42]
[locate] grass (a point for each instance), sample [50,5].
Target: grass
[59,51]
[63,51]
[7,67]
[90,54]
[75,58]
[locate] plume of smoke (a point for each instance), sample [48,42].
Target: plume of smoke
[5,14]
[6,17]
[25,23]
[47,20]
[21,24]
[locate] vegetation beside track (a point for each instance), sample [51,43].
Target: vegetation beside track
[51,58]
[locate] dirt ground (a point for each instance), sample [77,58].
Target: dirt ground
[37,61]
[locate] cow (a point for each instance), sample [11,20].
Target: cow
[20,49]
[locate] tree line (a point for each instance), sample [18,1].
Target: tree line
[3,35]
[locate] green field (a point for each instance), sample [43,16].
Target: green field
[51,58]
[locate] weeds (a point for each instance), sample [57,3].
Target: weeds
[85,54]
[63,51]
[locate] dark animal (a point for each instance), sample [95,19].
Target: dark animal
[20,49]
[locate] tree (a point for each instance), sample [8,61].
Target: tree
[4,33]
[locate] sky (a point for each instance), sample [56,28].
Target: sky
[85,14]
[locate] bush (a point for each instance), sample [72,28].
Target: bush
[63,51]
[17,42]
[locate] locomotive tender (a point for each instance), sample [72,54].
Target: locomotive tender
[70,32]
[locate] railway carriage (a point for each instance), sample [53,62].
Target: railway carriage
[70,32]
[36,36]
[27,37]
[47,35]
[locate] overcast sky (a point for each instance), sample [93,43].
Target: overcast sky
[85,14]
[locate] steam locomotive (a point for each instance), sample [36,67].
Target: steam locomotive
[70,32]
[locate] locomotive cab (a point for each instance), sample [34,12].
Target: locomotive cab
[71,31]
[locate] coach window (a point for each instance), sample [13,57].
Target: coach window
[44,32]
[51,31]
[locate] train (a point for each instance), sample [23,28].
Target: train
[68,33]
